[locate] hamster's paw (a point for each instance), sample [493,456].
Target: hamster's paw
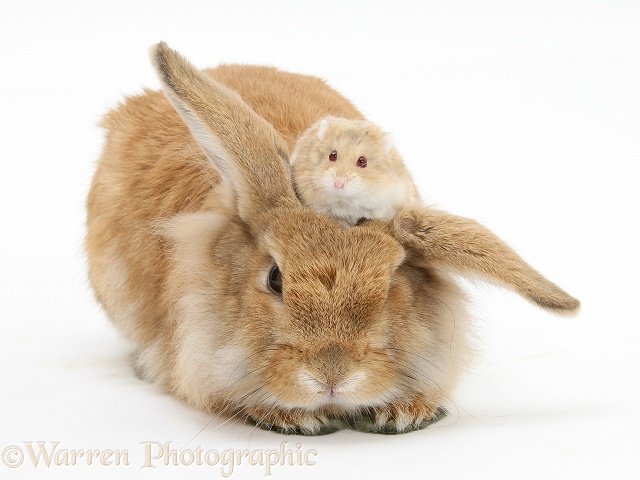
[403,417]
[292,422]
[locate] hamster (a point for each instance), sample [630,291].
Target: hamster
[350,170]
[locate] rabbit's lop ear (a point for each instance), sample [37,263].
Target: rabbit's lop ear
[438,238]
[243,146]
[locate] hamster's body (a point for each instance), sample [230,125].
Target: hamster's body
[349,169]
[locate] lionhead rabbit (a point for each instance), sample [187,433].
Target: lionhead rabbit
[239,300]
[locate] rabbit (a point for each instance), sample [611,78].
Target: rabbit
[350,170]
[242,302]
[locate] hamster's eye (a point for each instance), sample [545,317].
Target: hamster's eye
[362,162]
[333,156]
[275,280]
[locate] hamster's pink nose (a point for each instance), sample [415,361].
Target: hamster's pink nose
[339,183]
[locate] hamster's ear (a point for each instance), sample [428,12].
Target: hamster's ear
[244,147]
[388,142]
[322,130]
[440,239]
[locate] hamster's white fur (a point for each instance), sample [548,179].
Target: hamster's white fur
[349,170]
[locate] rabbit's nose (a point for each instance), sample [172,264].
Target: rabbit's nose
[333,363]
[332,354]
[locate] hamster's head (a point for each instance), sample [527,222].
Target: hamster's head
[342,159]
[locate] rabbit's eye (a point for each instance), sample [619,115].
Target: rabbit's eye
[275,280]
[333,156]
[362,162]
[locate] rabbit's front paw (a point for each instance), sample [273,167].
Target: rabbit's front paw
[401,417]
[292,422]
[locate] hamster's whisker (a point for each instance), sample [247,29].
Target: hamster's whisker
[309,182]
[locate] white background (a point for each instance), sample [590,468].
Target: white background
[522,115]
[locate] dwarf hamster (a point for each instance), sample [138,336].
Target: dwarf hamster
[349,169]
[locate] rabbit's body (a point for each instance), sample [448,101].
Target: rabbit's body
[240,300]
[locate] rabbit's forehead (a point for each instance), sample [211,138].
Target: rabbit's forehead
[306,244]
[337,246]
[336,293]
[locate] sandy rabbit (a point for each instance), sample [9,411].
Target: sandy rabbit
[240,300]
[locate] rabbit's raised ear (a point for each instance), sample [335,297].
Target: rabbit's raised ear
[243,146]
[438,238]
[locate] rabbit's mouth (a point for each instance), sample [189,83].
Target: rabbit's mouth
[331,390]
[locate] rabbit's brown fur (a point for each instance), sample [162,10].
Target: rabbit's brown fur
[188,216]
